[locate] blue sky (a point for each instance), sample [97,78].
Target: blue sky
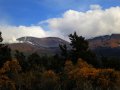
[27,12]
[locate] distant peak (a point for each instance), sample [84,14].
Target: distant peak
[114,35]
[117,36]
[41,37]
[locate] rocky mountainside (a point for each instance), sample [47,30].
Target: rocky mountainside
[111,41]
[108,45]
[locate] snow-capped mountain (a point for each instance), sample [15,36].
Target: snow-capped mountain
[48,42]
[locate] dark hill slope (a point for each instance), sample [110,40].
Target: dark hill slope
[108,45]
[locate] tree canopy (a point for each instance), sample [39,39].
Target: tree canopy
[79,49]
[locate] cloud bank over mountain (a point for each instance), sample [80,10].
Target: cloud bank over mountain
[91,23]
[11,33]
[94,22]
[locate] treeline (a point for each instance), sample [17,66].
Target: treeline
[77,68]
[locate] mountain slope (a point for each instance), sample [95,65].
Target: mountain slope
[48,45]
[108,45]
[48,42]
[112,41]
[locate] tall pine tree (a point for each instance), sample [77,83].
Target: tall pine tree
[79,49]
[5,52]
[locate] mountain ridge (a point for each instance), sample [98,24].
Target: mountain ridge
[50,45]
[47,45]
[43,42]
[112,41]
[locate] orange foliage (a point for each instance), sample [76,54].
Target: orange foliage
[50,80]
[50,75]
[12,65]
[5,81]
[100,77]
[81,64]
[68,66]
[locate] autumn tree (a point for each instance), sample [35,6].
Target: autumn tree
[8,73]
[50,80]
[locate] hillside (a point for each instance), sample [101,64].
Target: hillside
[48,45]
[48,42]
[112,41]
[108,45]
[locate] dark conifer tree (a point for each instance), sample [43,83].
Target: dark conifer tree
[79,49]
[21,59]
[64,51]
[34,61]
[5,52]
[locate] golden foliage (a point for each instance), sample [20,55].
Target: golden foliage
[6,83]
[81,64]
[9,66]
[50,80]
[99,77]
[68,66]
[12,66]
[50,75]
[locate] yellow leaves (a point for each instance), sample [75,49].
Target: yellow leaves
[5,83]
[9,66]
[81,64]
[12,65]
[50,80]
[83,71]
[86,72]
[68,63]
[68,66]
[50,75]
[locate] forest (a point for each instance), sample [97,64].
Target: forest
[77,68]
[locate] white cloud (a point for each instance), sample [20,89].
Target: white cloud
[11,33]
[93,22]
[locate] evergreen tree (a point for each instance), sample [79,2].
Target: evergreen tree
[64,51]
[79,49]
[34,61]
[5,52]
[21,59]
[1,39]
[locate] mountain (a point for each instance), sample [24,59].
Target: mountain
[48,45]
[112,41]
[108,45]
[48,42]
